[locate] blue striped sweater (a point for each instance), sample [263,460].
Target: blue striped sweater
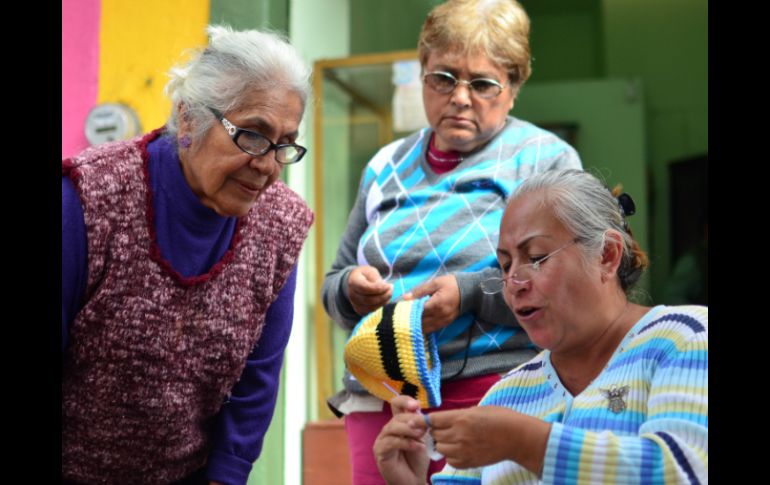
[660,437]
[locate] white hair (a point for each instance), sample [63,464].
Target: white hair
[232,67]
[588,210]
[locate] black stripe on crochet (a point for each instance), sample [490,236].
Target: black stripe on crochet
[691,322]
[679,456]
[387,340]
[410,390]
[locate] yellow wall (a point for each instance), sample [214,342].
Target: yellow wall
[139,41]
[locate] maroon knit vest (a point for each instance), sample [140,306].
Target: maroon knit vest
[153,354]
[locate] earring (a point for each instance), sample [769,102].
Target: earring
[185,142]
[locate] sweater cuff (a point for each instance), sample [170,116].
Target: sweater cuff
[470,291]
[343,303]
[229,469]
[562,453]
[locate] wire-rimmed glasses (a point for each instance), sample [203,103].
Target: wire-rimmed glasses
[444,83]
[523,274]
[257,144]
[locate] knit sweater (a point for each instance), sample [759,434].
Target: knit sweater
[414,225]
[140,396]
[643,420]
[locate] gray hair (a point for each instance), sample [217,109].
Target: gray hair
[588,210]
[233,66]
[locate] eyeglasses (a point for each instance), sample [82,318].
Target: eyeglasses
[257,144]
[522,275]
[444,83]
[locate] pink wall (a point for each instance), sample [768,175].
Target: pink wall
[79,70]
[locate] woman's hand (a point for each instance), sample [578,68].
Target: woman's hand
[484,435]
[367,291]
[401,455]
[442,307]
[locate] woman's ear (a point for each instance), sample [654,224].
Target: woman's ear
[183,118]
[612,254]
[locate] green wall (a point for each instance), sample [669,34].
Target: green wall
[666,44]
[273,15]
[565,39]
[250,14]
[381,26]
[610,136]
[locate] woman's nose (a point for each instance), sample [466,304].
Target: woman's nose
[514,287]
[265,164]
[461,96]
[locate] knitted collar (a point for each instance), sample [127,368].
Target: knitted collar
[441,161]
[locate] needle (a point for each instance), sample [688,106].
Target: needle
[430,444]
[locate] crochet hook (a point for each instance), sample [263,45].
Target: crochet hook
[430,444]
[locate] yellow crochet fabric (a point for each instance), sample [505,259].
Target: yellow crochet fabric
[388,346]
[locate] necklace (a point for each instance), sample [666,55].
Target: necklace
[435,158]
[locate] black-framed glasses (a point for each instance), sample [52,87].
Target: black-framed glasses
[257,144]
[523,274]
[444,83]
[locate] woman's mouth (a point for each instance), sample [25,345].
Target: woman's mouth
[525,313]
[251,189]
[458,120]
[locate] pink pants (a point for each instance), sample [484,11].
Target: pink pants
[362,428]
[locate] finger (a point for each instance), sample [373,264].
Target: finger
[434,320]
[404,404]
[405,425]
[443,419]
[432,307]
[371,275]
[424,289]
[455,455]
[386,445]
[367,276]
[364,287]
[369,300]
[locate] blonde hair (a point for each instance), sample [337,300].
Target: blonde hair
[497,28]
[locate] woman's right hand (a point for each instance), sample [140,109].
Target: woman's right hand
[401,454]
[367,291]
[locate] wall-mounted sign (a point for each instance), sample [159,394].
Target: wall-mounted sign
[110,122]
[408,110]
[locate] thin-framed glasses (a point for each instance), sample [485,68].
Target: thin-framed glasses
[257,144]
[523,274]
[444,83]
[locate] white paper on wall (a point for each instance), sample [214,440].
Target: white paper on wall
[408,110]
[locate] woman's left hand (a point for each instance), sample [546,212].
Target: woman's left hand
[443,307]
[484,435]
[474,436]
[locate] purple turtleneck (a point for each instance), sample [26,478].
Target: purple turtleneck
[193,238]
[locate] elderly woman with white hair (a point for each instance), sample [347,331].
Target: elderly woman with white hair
[179,254]
[620,392]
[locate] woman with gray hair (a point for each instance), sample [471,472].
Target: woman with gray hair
[179,255]
[620,393]
[428,210]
